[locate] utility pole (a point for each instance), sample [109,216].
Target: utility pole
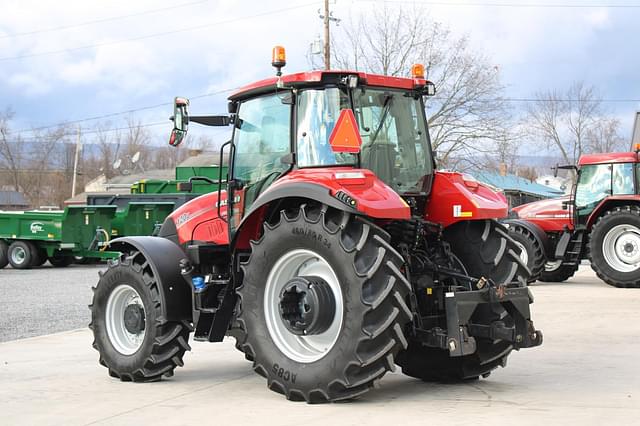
[75,164]
[327,49]
[327,18]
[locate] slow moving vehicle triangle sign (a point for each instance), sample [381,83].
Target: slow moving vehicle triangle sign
[345,136]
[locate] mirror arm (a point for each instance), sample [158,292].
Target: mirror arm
[211,120]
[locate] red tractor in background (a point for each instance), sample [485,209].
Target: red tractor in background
[334,251]
[599,221]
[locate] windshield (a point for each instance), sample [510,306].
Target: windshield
[391,123]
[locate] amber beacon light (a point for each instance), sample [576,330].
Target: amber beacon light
[278,58]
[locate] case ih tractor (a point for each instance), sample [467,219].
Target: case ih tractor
[599,221]
[333,252]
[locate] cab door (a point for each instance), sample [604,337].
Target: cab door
[262,137]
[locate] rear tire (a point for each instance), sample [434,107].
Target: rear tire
[614,247]
[4,254]
[356,261]
[486,250]
[531,250]
[21,254]
[60,260]
[557,272]
[134,340]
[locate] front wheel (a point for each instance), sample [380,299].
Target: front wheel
[485,249]
[323,305]
[22,254]
[134,340]
[556,272]
[614,247]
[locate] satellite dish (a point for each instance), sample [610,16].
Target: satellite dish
[117,163]
[136,157]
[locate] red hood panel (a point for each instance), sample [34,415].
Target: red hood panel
[548,214]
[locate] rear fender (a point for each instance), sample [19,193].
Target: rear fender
[365,195]
[164,258]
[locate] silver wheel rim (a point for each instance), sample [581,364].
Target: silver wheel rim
[621,248]
[552,266]
[524,255]
[122,340]
[301,262]
[18,255]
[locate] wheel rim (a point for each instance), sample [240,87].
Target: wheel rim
[125,335]
[621,248]
[552,266]
[298,263]
[18,255]
[524,255]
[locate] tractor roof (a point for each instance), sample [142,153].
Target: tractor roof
[319,77]
[612,157]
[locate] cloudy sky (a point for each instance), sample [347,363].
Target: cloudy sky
[78,59]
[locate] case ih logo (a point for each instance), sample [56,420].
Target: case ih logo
[36,227]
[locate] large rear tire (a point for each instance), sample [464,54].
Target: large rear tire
[363,318]
[136,343]
[614,247]
[557,272]
[531,252]
[485,249]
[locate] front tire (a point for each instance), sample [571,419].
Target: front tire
[134,340]
[530,250]
[614,247]
[362,330]
[485,249]
[557,272]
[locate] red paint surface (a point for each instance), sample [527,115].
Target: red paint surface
[612,157]
[449,190]
[547,214]
[316,76]
[198,220]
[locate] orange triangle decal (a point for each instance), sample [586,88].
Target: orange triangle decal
[345,136]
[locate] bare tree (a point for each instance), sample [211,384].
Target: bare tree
[468,113]
[573,122]
[10,150]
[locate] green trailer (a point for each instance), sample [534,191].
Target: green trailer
[202,180]
[30,238]
[140,218]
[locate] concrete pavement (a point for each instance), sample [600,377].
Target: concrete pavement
[586,372]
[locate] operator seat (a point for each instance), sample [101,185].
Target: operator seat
[380,158]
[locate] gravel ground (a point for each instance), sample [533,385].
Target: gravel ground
[45,300]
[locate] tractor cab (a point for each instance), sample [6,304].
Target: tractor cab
[603,177]
[333,121]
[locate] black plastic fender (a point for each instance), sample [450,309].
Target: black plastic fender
[537,232]
[164,257]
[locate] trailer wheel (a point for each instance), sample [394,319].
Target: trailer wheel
[60,260]
[614,247]
[4,254]
[323,308]
[40,258]
[530,250]
[21,254]
[486,250]
[134,340]
[557,272]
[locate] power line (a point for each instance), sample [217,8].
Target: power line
[102,20]
[154,35]
[510,5]
[115,114]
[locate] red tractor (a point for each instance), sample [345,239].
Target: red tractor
[333,252]
[599,221]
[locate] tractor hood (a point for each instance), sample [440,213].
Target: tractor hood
[548,214]
[456,197]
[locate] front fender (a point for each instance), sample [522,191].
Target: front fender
[164,258]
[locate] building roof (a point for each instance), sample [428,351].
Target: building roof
[516,183]
[12,198]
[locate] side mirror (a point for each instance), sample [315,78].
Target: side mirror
[180,121]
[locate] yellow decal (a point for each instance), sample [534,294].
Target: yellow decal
[457,212]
